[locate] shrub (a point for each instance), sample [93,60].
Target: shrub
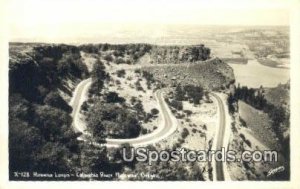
[242,136]
[84,106]
[121,73]
[118,82]
[154,111]
[144,131]
[108,58]
[243,122]
[120,61]
[138,86]
[133,100]
[188,112]
[55,100]
[137,71]
[248,143]
[185,133]
[113,97]
[176,104]
[112,120]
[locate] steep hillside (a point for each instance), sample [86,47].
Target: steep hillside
[41,137]
[279,96]
[212,74]
[37,69]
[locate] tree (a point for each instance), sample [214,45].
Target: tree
[113,97]
[108,58]
[185,133]
[154,111]
[55,100]
[176,104]
[112,120]
[195,93]
[231,101]
[121,73]
[179,93]
[50,121]
[24,142]
[54,156]
[94,159]
[98,77]
[84,106]
[98,71]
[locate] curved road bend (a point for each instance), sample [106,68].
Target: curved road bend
[75,103]
[220,138]
[168,126]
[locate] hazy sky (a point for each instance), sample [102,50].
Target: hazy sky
[53,20]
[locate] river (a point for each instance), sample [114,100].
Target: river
[254,74]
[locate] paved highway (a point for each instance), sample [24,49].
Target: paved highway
[165,129]
[220,138]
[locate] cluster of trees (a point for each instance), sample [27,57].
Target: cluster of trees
[60,60]
[189,92]
[196,53]
[113,97]
[141,114]
[40,136]
[134,51]
[110,120]
[130,53]
[45,70]
[256,98]
[153,114]
[98,77]
[149,78]
[90,48]
[175,104]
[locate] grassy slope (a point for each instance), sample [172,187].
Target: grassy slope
[259,122]
[279,95]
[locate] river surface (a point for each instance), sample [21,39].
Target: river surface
[255,74]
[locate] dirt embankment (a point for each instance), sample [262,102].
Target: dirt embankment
[212,75]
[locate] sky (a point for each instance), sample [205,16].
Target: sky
[67,20]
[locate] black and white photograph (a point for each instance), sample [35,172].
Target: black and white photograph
[149,91]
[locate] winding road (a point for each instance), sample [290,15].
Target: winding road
[166,128]
[219,169]
[168,125]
